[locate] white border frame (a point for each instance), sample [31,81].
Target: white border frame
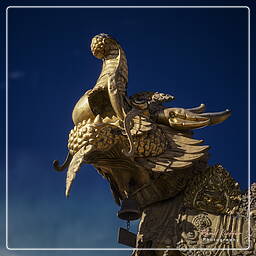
[129,249]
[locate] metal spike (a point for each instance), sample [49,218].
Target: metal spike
[98,120]
[199,109]
[107,120]
[116,123]
[114,118]
[217,117]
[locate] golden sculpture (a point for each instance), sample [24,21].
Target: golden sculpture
[147,154]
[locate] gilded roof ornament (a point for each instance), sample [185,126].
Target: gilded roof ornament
[146,152]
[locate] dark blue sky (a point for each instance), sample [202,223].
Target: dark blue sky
[197,55]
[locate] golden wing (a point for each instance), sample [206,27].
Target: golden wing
[182,152]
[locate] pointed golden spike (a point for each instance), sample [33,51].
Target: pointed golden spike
[114,118]
[199,109]
[107,120]
[218,117]
[98,120]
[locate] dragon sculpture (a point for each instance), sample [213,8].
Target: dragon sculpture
[147,154]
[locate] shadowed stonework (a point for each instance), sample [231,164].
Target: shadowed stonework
[156,170]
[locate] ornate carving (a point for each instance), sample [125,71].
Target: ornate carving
[138,131]
[146,152]
[201,222]
[213,191]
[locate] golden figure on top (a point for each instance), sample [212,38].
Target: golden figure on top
[146,152]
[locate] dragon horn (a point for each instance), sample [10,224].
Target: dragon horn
[62,167]
[199,109]
[115,98]
[217,117]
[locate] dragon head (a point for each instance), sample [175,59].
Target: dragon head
[132,141]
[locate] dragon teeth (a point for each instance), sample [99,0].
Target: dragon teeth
[114,118]
[116,123]
[107,120]
[98,119]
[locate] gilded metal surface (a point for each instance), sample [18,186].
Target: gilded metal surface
[213,191]
[172,224]
[146,152]
[106,98]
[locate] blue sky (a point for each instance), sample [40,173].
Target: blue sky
[197,55]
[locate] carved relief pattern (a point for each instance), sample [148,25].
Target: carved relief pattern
[205,230]
[213,191]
